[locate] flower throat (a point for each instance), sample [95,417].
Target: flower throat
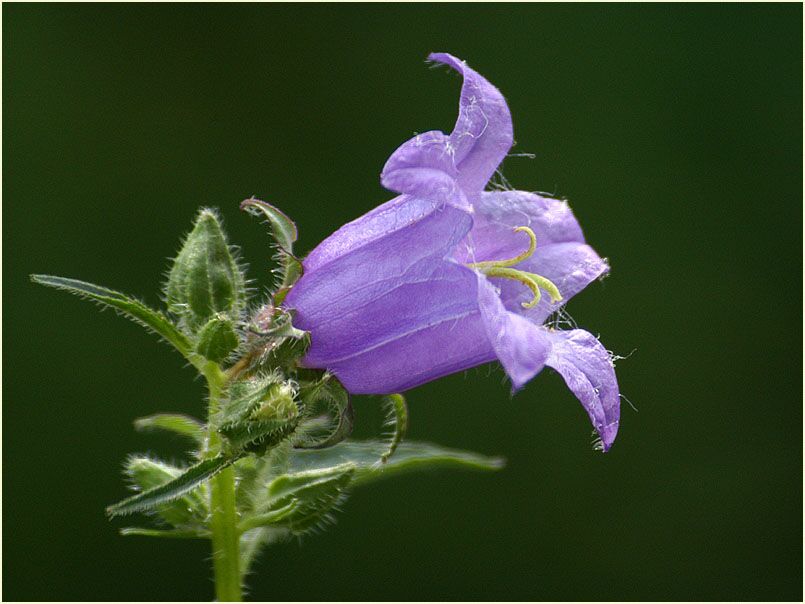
[502,269]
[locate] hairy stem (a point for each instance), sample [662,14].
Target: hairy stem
[224,520]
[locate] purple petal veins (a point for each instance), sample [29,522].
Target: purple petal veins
[395,298]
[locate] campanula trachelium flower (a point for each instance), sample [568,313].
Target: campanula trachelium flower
[447,276]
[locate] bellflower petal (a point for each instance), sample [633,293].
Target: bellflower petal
[497,213]
[520,346]
[587,369]
[424,166]
[561,254]
[571,266]
[372,266]
[469,156]
[421,297]
[421,354]
[394,215]
[385,294]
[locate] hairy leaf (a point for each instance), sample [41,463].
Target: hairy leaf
[184,425]
[302,500]
[190,479]
[409,456]
[146,474]
[165,534]
[128,307]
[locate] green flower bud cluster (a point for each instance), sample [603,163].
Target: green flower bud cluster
[261,413]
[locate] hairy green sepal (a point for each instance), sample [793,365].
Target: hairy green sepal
[284,231]
[329,414]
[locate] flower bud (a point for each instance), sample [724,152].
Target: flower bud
[217,339]
[262,412]
[205,279]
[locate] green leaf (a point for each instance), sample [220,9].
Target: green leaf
[217,339]
[284,232]
[184,425]
[251,542]
[133,531]
[302,500]
[205,279]
[128,307]
[317,481]
[308,485]
[409,456]
[169,491]
[146,474]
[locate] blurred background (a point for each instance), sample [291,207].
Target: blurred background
[674,130]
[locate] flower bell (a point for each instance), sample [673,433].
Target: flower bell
[500,268]
[436,281]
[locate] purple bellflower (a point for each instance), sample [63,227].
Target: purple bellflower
[447,276]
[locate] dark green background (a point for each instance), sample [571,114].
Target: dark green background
[674,130]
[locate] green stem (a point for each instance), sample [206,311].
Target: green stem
[224,520]
[225,537]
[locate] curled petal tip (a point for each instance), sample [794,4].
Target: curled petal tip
[586,367]
[468,156]
[446,59]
